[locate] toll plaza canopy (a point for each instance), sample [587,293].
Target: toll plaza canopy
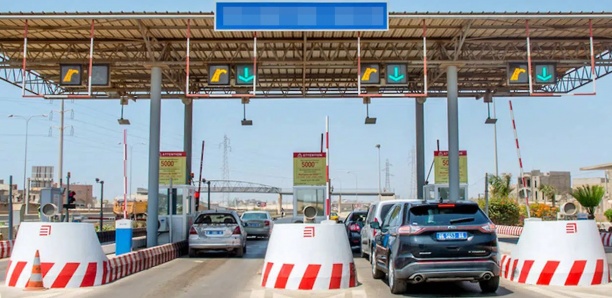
[510,54]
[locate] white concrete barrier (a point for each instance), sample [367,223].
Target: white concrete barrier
[561,253]
[309,257]
[70,255]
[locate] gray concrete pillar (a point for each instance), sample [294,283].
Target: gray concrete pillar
[453,132]
[154,144]
[420,145]
[188,135]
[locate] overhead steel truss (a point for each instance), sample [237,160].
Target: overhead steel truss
[301,65]
[231,186]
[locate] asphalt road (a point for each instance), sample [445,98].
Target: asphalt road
[221,275]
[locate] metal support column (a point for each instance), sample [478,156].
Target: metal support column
[420,145]
[453,132]
[154,144]
[188,135]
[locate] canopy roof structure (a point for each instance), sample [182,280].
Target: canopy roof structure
[601,167]
[303,64]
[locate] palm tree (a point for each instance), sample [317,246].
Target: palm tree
[500,186]
[549,192]
[589,196]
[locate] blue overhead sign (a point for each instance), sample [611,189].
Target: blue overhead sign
[302,16]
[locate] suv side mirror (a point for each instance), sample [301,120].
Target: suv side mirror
[375,225]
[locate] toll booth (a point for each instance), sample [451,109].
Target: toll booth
[176,209]
[437,191]
[308,196]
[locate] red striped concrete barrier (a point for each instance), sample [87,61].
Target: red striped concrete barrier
[309,276]
[127,264]
[551,272]
[606,238]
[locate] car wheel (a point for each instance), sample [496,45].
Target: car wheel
[240,252]
[397,286]
[363,253]
[489,286]
[376,273]
[192,253]
[245,248]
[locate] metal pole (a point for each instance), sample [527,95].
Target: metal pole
[379,188]
[208,182]
[25,167]
[10,207]
[67,197]
[125,182]
[453,132]
[188,138]
[101,205]
[154,139]
[486,194]
[495,139]
[170,207]
[61,146]
[327,180]
[420,147]
[131,167]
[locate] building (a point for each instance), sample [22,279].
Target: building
[605,182]
[84,194]
[561,181]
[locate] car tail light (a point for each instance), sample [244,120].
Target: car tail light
[488,228]
[446,205]
[266,223]
[410,230]
[354,228]
[236,231]
[193,231]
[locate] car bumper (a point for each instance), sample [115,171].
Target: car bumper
[355,240]
[447,270]
[215,243]
[257,231]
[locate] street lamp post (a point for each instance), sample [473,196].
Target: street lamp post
[101,203]
[356,185]
[379,193]
[25,159]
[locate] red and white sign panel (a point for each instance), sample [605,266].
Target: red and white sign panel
[45,230]
[571,228]
[309,232]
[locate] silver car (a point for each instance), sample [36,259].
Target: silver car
[259,223]
[218,230]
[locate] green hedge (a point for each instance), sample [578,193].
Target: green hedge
[502,211]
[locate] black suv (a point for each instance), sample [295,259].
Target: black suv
[436,241]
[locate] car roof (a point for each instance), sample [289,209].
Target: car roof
[255,211]
[436,202]
[217,211]
[396,201]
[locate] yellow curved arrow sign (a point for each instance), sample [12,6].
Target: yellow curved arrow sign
[217,75]
[68,77]
[367,73]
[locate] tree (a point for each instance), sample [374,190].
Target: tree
[500,186]
[549,192]
[589,196]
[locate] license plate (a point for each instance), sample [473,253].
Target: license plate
[451,236]
[214,233]
[254,225]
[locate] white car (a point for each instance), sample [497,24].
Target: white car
[218,230]
[376,213]
[259,223]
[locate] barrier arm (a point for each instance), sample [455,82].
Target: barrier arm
[188,94]
[415,95]
[592,60]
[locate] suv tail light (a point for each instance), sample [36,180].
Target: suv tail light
[193,231]
[354,228]
[266,223]
[487,228]
[410,230]
[236,231]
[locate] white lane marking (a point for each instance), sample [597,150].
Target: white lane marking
[258,294]
[548,293]
[361,293]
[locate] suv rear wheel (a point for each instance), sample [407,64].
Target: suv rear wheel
[489,286]
[376,273]
[397,286]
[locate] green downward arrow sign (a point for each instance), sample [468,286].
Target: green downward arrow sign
[544,76]
[246,77]
[396,76]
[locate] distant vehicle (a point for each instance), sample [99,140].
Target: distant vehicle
[218,230]
[136,210]
[376,213]
[430,242]
[354,223]
[333,216]
[259,223]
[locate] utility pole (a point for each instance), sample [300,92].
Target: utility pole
[388,175]
[62,113]
[227,147]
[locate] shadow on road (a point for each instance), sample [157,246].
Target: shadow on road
[256,249]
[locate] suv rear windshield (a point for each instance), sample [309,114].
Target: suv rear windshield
[448,214]
[254,215]
[215,218]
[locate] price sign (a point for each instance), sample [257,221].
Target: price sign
[309,168]
[172,165]
[441,167]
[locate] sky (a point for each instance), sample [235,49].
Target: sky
[555,134]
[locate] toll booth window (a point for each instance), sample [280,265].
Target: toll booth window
[314,197]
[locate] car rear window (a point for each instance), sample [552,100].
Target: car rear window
[358,216]
[215,218]
[250,216]
[446,214]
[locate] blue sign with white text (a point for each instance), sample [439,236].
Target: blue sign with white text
[301,16]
